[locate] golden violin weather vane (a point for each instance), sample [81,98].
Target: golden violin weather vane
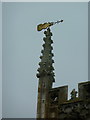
[46,25]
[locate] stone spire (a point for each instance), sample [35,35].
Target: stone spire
[46,64]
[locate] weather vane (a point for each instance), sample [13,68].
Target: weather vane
[46,25]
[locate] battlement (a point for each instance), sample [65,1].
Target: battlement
[84,90]
[72,109]
[60,94]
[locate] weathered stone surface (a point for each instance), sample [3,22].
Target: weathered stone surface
[84,90]
[53,102]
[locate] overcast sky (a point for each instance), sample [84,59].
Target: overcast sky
[0,60]
[22,46]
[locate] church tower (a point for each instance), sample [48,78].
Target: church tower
[45,75]
[54,102]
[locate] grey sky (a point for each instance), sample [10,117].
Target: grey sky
[22,46]
[0,60]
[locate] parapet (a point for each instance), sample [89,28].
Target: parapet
[84,90]
[58,95]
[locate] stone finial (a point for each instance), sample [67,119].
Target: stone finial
[46,67]
[73,94]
